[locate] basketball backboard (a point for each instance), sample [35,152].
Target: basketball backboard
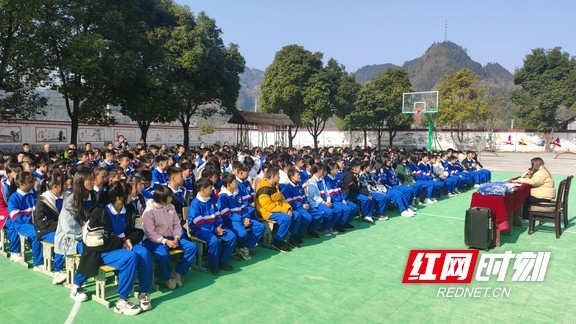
[420,102]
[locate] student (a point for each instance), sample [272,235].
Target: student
[438,171]
[417,174]
[189,177]
[100,180]
[147,185]
[205,222]
[48,207]
[458,180]
[339,200]
[159,173]
[108,161]
[392,182]
[245,190]
[180,196]
[9,187]
[317,198]
[309,218]
[271,205]
[237,217]
[21,204]
[163,233]
[108,239]
[353,190]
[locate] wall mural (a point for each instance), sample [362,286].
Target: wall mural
[91,135]
[10,134]
[51,134]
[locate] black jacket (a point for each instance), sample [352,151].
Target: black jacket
[45,216]
[351,185]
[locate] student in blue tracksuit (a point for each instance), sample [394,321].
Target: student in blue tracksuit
[236,217]
[431,188]
[159,173]
[349,209]
[9,187]
[295,194]
[317,198]
[353,190]
[452,173]
[245,190]
[392,182]
[205,222]
[148,186]
[21,204]
[424,166]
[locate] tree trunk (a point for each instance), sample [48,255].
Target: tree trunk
[75,121]
[290,136]
[186,129]
[365,130]
[144,127]
[380,133]
[392,134]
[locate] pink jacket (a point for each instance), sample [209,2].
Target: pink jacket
[161,222]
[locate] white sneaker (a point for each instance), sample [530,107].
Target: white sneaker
[145,303]
[39,268]
[334,231]
[177,278]
[451,195]
[59,277]
[382,217]
[244,253]
[15,257]
[78,294]
[434,200]
[417,201]
[327,233]
[125,306]
[369,219]
[411,211]
[406,213]
[428,201]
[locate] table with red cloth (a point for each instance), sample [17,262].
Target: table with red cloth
[502,206]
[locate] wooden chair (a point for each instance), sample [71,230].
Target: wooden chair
[4,243]
[564,210]
[546,214]
[198,264]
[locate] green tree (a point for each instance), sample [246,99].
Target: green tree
[22,66]
[286,81]
[383,97]
[202,73]
[548,82]
[79,40]
[461,103]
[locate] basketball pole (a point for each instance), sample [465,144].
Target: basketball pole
[430,132]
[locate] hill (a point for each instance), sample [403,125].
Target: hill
[250,88]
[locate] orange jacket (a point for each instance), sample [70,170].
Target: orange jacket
[270,200]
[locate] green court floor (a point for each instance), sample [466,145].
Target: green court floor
[354,278]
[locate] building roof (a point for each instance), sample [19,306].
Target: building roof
[259,118]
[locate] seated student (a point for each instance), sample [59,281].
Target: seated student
[163,233]
[388,178]
[317,198]
[181,197]
[21,204]
[48,207]
[205,222]
[237,218]
[424,166]
[382,195]
[100,179]
[451,172]
[340,202]
[426,180]
[106,243]
[159,172]
[109,160]
[9,187]
[189,177]
[455,168]
[352,189]
[471,164]
[245,190]
[487,174]
[148,186]
[438,171]
[309,218]
[271,205]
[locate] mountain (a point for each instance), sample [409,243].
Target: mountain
[250,88]
[441,59]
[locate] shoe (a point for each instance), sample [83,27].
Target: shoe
[298,238]
[177,278]
[382,217]
[406,213]
[428,201]
[215,271]
[59,277]
[348,226]
[39,268]
[78,294]
[434,200]
[417,201]
[171,284]
[327,233]
[413,208]
[125,306]
[15,257]
[340,229]
[456,191]
[368,219]
[313,234]
[145,303]
[451,194]
[281,246]
[333,231]
[244,253]
[292,240]
[226,267]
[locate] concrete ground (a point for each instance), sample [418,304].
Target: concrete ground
[520,162]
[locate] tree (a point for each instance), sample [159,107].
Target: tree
[22,66]
[78,42]
[548,82]
[201,73]
[461,103]
[286,81]
[383,97]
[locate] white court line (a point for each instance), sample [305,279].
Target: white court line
[73,312]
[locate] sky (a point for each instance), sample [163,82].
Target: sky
[363,32]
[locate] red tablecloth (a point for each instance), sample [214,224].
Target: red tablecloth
[502,205]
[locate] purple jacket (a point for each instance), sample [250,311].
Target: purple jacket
[160,223]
